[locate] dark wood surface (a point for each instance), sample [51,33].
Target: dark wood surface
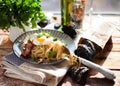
[109,58]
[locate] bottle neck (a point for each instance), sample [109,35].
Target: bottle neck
[65,12]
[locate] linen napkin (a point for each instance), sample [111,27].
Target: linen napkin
[46,75]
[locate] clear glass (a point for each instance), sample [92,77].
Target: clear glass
[77,13]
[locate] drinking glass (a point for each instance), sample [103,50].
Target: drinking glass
[89,10]
[77,14]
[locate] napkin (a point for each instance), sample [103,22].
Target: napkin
[47,75]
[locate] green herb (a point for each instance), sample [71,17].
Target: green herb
[29,38]
[34,59]
[19,12]
[63,41]
[52,54]
[55,39]
[43,50]
[49,33]
[43,34]
[39,35]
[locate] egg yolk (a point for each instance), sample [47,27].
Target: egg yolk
[41,40]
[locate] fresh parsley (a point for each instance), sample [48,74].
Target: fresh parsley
[52,54]
[55,39]
[43,33]
[34,59]
[19,12]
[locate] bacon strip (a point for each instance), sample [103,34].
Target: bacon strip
[27,49]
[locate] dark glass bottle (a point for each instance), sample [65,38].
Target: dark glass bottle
[65,18]
[65,12]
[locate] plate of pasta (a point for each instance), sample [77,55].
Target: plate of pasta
[42,47]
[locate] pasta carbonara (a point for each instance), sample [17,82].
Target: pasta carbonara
[43,47]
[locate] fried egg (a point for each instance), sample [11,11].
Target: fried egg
[42,40]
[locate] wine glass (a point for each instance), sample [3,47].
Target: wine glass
[87,23]
[88,6]
[89,10]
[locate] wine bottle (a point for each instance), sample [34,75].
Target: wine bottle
[65,12]
[65,18]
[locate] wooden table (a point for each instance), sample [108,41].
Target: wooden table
[109,58]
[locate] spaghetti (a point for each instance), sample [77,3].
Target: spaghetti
[43,47]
